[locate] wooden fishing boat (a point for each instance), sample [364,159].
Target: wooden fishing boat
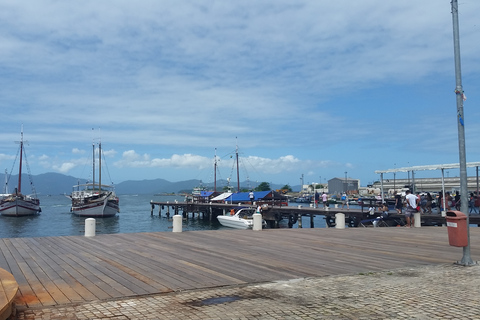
[17,204]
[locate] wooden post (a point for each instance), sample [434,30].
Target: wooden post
[300,220]
[153,207]
[312,224]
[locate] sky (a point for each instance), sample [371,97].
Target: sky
[312,89]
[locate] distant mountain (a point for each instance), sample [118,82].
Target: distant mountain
[45,183]
[56,183]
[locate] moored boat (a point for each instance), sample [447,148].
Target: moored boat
[92,202]
[95,200]
[17,204]
[242,219]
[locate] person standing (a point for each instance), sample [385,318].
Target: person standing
[471,204]
[317,198]
[345,200]
[428,206]
[398,203]
[412,203]
[251,195]
[448,201]
[440,202]
[324,199]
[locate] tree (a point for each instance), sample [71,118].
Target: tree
[264,186]
[287,187]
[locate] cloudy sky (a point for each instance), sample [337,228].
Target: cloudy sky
[312,88]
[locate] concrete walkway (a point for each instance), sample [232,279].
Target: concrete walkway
[444,291]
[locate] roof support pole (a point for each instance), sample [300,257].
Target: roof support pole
[443,193]
[413,182]
[381,185]
[477,181]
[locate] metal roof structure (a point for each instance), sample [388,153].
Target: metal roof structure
[429,167]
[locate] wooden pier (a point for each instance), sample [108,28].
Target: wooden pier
[292,214]
[75,269]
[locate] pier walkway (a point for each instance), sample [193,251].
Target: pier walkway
[64,273]
[292,213]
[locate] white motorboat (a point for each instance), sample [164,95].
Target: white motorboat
[95,200]
[242,219]
[17,204]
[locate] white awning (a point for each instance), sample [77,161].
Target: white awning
[429,167]
[222,196]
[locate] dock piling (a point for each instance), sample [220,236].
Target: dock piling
[177,223]
[339,220]
[89,227]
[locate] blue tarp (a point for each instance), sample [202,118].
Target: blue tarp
[206,194]
[245,196]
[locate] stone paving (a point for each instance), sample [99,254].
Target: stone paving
[432,292]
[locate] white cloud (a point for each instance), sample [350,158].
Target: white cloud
[78,151]
[286,163]
[6,157]
[109,153]
[64,167]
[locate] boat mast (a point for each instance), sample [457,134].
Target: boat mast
[5,190]
[93,157]
[99,166]
[19,189]
[238,175]
[215,172]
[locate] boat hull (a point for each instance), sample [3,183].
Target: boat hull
[91,204]
[19,208]
[97,209]
[235,222]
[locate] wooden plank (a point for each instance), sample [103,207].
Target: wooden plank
[103,286]
[27,294]
[137,256]
[50,279]
[72,271]
[56,271]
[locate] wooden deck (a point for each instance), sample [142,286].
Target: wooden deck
[75,269]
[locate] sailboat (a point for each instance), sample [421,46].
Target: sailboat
[95,200]
[17,204]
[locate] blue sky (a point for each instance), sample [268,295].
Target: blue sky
[317,88]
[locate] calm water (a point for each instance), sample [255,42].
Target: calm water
[134,216]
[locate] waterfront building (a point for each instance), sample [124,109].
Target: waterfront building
[340,185]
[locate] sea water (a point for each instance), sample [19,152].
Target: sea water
[135,216]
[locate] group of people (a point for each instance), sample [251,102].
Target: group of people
[324,198]
[412,206]
[424,202]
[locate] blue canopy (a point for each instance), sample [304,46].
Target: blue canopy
[206,194]
[245,196]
